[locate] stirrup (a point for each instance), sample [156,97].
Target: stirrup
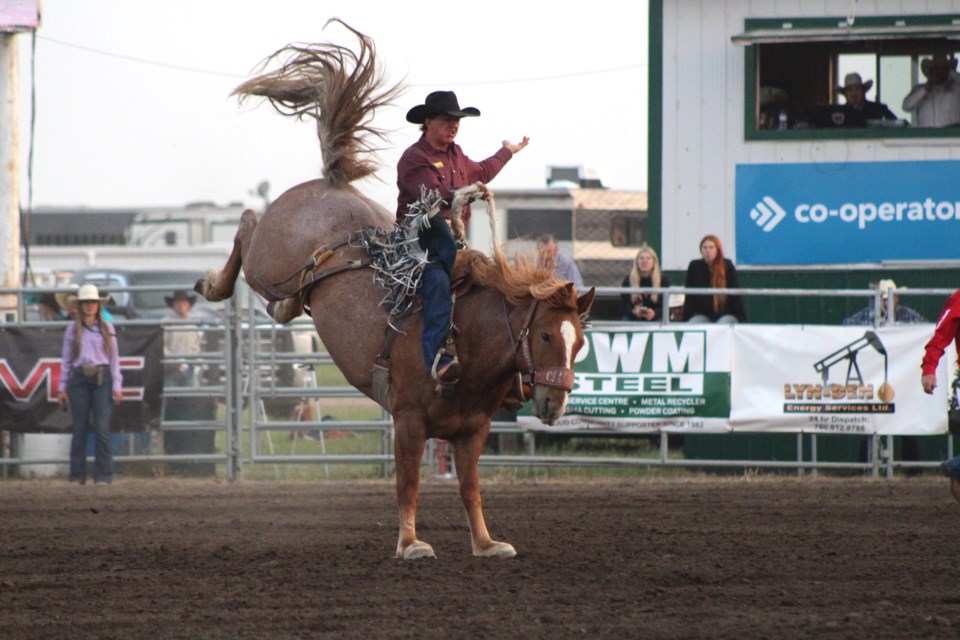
[446,378]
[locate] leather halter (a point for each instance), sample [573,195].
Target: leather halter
[530,373]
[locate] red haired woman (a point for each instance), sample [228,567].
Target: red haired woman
[712,271]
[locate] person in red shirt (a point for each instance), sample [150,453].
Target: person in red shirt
[436,162]
[947,331]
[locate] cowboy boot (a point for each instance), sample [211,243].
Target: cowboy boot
[446,364]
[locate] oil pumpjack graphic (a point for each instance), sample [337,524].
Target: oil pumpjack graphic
[849,353]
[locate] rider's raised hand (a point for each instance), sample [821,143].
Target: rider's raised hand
[516,147]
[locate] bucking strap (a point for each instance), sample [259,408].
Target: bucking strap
[317,276]
[384,356]
[318,257]
[381,370]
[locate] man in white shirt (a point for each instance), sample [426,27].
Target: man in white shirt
[937,101]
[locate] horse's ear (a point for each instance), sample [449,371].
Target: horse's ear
[585,301]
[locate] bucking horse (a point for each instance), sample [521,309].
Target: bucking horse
[519,326]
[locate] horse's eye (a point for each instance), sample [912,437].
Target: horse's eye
[545,336]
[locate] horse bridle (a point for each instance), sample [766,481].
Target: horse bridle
[530,373]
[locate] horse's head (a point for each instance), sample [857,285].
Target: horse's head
[547,349]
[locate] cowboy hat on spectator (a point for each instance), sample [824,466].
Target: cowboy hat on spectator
[939,64]
[852,80]
[180,295]
[89,293]
[66,298]
[884,287]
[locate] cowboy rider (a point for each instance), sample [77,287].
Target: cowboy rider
[436,162]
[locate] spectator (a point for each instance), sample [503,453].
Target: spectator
[712,271]
[49,308]
[936,102]
[946,331]
[645,273]
[860,112]
[435,161]
[773,103]
[89,377]
[910,450]
[180,342]
[901,314]
[68,301]
[185,340]
[564,267]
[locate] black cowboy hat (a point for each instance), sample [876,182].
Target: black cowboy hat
[927,63]
[48,300]
[440,102]
[180,295]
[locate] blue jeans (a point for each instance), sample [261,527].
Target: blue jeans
[437,309]
[90,407]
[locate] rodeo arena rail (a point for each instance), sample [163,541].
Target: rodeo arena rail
[257,392]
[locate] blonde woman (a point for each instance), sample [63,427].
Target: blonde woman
[89,378]
[645,273]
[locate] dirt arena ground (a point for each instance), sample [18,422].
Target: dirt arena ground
[700,558]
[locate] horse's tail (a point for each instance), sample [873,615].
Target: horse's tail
[338,88]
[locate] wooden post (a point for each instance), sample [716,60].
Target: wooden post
[9,176]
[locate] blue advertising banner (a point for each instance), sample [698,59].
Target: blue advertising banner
[847,212]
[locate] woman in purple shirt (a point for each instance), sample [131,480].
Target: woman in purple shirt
[89,378]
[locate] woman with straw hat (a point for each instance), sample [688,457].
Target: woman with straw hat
[89,378]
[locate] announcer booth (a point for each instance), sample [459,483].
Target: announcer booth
[751,141]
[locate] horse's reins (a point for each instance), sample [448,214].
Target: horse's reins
[530,373]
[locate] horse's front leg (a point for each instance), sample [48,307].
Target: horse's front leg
[466,454]
[409,441]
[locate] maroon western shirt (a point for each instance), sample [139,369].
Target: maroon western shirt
[445,171]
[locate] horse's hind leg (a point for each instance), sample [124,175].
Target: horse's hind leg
[286,310]
[466,453]
[218,285]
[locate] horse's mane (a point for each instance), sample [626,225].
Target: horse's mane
[521,282]
[340,89]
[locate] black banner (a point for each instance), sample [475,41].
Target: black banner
[30,372]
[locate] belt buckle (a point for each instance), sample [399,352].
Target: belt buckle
[89,370]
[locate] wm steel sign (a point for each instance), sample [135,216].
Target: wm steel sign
[646,379]
[848,212]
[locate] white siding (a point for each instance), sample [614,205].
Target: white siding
[703,136]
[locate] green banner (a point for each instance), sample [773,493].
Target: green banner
[634,378]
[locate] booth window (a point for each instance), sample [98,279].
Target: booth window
[628,231]
[795,68]
[531,223]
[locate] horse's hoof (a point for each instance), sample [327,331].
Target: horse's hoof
[497,550]
[418,549]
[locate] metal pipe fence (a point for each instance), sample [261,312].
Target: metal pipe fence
[251,392]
